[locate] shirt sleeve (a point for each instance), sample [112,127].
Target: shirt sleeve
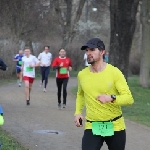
[16,57]
[39,57]
[124,97]
[36,60]
[80,99]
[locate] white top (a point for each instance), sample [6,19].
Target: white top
[85,58]
[27,61]
[45,58]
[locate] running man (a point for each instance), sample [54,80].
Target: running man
[63,65]
[29,62]
[45,58]
[103,89]
[18,60]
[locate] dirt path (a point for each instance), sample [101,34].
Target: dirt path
[33,125]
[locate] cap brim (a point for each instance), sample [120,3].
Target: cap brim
[88,46]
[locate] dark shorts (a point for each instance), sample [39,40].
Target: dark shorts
[18,69]
[95,142]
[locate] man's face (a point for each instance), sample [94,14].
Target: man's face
[27,52]
[20,52]
[62,53]
[94,55]
[46,49]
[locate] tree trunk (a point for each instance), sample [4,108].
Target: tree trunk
[67,24]
[145,52]
[77,18]
[123,21]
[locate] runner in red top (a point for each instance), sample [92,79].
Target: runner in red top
[63,65]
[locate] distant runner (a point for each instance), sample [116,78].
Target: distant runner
[63,65]
[28,66]
[18,60]
[45,58]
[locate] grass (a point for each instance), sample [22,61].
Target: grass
[5,81]
[140,110]
[8,142]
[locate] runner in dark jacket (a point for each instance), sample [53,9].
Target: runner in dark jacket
[3,66]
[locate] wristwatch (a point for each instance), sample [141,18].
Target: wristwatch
[113,97]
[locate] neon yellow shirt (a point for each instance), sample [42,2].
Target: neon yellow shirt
[109,81]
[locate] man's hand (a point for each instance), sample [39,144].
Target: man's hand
[104,98]
[76,120]
[32,66]
[43,65]
[70,68]
[61,64]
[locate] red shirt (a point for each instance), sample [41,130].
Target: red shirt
[63,71]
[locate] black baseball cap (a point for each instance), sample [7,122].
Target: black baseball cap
[94,43]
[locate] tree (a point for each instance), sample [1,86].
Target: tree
[23,19]
[65,18]
[123,21]
[145,50]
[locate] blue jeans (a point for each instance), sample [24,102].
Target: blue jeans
[45,72]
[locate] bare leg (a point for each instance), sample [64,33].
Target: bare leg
[30,87]
[27,89]
[20,76]
[17,77]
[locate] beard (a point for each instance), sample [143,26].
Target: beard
[91,61]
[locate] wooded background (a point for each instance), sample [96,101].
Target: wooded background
[123,25]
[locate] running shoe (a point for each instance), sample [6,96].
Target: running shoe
[59,105]
[19,84]
[64,105]
[28,102]
[44,90]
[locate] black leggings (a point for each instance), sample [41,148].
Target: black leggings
[60,82]
[95,142]
[45,73]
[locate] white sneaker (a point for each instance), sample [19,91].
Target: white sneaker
[19,84]
[59,105]
[64,105]
[41,84]
[44,90]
